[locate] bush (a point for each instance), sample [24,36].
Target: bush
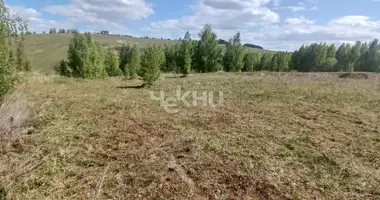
[151,62]
[124,57]
[111,63]
[86,57]
[135,62]
[63,69]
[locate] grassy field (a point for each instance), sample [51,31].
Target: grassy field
[276,136]
[46,50]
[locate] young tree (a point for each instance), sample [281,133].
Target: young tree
[172,58]
[151,62]
[135,62]
[265,62]
[207,53]
[233,57]
[331,51]
[251,61]
[10,25]
[86,57]
[184,57]
[274,63]
[124,58]
[111,63]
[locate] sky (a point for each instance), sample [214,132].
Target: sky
[273,24]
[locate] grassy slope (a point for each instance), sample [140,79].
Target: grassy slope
[295,136]
[46,50]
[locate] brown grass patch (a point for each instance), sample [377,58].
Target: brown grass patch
[276,137]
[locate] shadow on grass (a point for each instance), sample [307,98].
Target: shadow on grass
[176,76]
[133,86]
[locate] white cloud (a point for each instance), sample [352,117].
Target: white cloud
[222,14]
[296,8]
[299,20]
[358,21]
[103,14]
[24,12]
[103,10]
[39,25]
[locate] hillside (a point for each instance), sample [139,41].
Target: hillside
[45,50]
[275,136]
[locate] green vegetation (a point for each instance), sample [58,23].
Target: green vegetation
[234,55]
[152,61]
[86,57]
[9,27]
[363,57]
[135,62]
[111,63]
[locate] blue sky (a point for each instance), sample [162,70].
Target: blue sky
[273,24]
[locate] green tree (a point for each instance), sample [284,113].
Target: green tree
[10,25]
[86,57]
[135,62]
[111,63]
[234,55]
[331,51]
[273,66]
[329,65]
[185,54]
[251,62]
[172,58]
[372,60]
[207,53]
[124,58]
[63,69]
[152,60]
[265,62]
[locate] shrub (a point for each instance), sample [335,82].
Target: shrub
[124,57]
[135,62]
[63,69]
[151,62]
[86,57]
[111,63]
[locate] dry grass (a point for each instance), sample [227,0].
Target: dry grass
[289,136]
[15,110]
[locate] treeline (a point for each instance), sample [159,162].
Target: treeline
[363,57]
[206,55]
[88,59]
[62,30]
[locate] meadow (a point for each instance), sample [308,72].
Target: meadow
[276,136]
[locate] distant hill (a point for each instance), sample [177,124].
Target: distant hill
[46,50]
[253,46]
[224,42]
[221,41]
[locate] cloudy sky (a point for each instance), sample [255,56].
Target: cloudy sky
[273,24]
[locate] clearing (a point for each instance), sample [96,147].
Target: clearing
[277,136]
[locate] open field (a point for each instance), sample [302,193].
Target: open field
[46,50]
[288,136]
